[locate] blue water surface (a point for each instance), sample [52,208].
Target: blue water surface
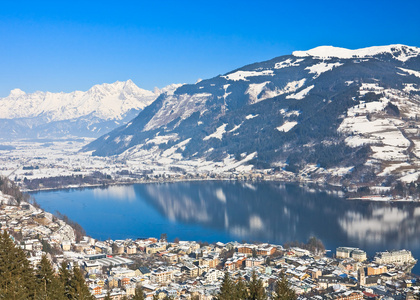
[228,211]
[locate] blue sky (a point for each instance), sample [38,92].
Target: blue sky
[71,45]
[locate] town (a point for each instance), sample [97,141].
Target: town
[195,270]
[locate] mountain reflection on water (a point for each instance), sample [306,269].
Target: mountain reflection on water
[277,213]
[227,211]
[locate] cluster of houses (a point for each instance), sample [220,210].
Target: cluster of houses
[192,270]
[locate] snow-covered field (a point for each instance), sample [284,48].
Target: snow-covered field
[32,160]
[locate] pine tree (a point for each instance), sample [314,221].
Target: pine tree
[256,288]
[17,280]
[241,290]
[227,290]
[78,288]
[65,276]
[49,286]
[282,289]
[139,295]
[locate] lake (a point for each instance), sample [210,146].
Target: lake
[227,211]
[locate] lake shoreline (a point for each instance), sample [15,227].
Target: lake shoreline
[324,187]
[227,210]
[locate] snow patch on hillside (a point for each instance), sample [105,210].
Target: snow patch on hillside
[254,90]
[287,126]
[293,86]
[410,87]
[235,128]
[171,151]
[162,139]
[411,72]
[259,92]
[288,63]
[302,94]
[410,177]
[251,116]
[370,88]
[218,134]
[225,87]
[340,171]
[127,139]
[322,67]
[393,167]
[243,75]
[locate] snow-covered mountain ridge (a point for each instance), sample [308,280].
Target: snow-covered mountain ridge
[347,117]
[399,52]
[104,103]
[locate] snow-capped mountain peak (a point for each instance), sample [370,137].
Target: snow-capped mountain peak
[398,51]
[16,93]
[106,101]
[112,103]
[169,89]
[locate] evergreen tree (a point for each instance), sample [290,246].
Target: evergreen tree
[78,288]
[49,286]
[256,288]
[241,290]
[65,276]
[254,253]
[282,289]
[139,295]
[227,290]
[17,280]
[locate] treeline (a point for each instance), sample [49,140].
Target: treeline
[65,181]
[254,289]
[8,187]
[314,245]
[19,280]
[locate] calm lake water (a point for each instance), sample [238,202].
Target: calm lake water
[228,211]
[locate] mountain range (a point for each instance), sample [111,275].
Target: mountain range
[329,114]
[76,114]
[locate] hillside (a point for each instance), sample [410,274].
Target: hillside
[328,114]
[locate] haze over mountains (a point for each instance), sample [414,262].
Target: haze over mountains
[329,113]
[76,114]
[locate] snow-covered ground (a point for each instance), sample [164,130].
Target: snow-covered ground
[394,141]
[300,95]
[32,160]
[243,75]
[287,126]
[400,52]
